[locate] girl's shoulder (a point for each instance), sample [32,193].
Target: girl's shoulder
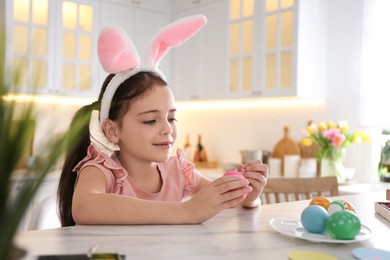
[178,161]
[183,168]
[97,158]
[115,174]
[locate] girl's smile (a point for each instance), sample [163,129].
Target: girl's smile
[164,145]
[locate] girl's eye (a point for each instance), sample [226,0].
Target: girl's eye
[172,120]
[149,122]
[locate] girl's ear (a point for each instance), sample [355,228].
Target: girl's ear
[110,129]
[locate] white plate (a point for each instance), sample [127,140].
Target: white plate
[293,228]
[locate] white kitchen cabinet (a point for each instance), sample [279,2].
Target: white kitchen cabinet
[51,45]
[312,54]
[181,5]
[253,49]
[308,75]
[199,65]
[277,48]
[48,188]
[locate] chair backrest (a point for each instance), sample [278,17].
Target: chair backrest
[292,189]
[44,215]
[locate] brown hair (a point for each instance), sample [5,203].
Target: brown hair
[130,90]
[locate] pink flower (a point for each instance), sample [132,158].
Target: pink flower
[331,132]
[338,140]
[335,136]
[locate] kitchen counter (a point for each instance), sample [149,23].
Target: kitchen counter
[232,234]
[354,188]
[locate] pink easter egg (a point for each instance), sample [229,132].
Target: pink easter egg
[235,173]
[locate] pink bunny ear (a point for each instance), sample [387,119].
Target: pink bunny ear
[116,51]
[174,35]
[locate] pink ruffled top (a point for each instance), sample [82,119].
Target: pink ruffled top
[179,177]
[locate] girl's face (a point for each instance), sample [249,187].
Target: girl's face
[148,129]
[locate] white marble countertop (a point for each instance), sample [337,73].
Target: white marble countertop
[232,234]
[358,187]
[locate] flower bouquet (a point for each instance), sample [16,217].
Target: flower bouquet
[331,140]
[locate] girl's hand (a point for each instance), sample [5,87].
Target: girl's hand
[257,174]
[222,193]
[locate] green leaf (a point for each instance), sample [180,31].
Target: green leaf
[17,127]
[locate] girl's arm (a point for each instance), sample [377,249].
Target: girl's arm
[92,205]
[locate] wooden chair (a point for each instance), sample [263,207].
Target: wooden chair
[291,189]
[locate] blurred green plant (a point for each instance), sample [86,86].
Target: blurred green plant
[17,121]
[384,163]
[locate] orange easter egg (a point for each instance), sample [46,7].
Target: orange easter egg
[348,205]
[321,201]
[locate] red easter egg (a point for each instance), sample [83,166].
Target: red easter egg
[321,201]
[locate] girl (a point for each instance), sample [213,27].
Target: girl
[124,174]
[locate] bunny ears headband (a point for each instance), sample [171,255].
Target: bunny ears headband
[118,55]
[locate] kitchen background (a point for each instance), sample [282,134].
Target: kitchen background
[337,59]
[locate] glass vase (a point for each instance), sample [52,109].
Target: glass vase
[333,166]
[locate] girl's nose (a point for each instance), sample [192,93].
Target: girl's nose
[166,128]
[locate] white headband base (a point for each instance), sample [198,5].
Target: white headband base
[98,138]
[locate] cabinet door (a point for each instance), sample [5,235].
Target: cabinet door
[29,44]
[242,50]
[279,49]
[199,65]
[115,14]
[52,46]
[155,5]
[186,71]
[77,60]
[283,53]
[147,23]
[262,48]
[182,5]
[16,186]
[48,188]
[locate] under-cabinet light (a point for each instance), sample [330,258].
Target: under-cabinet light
[49,99]
[269,102]
[182,105]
